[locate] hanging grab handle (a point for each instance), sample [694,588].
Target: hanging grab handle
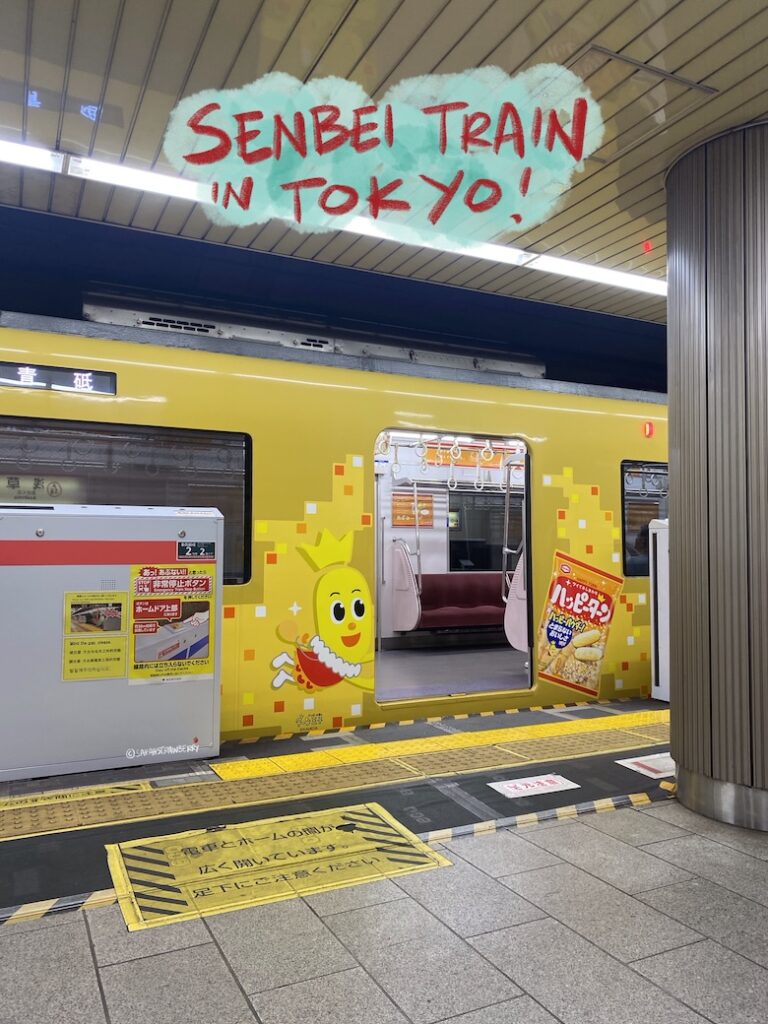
[506,551]
[396,462]
[418,531]
[478,481]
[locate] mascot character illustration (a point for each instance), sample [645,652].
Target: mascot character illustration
[343,639]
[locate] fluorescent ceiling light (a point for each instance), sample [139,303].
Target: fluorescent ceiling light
[184,188]
[31,156]
[129,177]
[598,274]
[530,260]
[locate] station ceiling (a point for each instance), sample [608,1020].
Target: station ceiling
[100,78]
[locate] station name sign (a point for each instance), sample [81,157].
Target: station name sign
[57,378]
[469,157]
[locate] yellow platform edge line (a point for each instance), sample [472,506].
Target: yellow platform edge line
[261,767]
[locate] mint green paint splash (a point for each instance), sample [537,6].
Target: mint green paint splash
[549,170]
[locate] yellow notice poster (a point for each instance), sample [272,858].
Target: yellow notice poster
[95,641]
[172,617]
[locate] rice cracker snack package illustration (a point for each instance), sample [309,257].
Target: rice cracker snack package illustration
[574,626]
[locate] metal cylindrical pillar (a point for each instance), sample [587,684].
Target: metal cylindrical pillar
[717,214]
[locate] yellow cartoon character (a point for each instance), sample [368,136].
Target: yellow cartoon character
[343,640]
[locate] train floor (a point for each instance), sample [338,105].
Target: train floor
[409,674]
[422,872]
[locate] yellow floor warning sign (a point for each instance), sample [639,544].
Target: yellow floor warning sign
[210,871]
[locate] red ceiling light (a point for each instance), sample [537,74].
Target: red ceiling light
[647,246]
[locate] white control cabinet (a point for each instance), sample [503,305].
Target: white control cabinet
[659,556]
[110,636]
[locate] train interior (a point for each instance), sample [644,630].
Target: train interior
[453,617]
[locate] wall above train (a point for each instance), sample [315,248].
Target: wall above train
[49,265]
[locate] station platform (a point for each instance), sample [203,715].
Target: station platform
[446,894]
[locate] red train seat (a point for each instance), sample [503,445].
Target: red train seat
[456,599]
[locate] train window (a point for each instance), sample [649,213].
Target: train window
[476,529]
[116,464]
[645,489]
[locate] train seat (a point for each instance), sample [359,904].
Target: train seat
[457,599]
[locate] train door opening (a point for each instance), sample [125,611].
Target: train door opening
[453,547]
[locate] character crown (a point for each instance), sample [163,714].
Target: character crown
[329,550]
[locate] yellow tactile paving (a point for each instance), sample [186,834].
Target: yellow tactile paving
[511,738]
[262,767]
[306,762]
[657,733]
[396,748]
[180,800]
[445,762]
[62,796]
[555,747]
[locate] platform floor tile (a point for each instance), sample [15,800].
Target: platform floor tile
[435,979]
[174,988]
[610,919]
[48,977]
[734,921]
[728,988]
[347,996]
[629,869]
[279,944]
[575,980]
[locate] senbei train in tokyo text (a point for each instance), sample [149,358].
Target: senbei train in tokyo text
[401,541]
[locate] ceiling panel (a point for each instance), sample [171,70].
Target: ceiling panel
[14,61]
[100,77]
[10,185]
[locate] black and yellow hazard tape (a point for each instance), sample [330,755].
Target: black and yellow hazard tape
[47,908]
[664,791]
[433,720]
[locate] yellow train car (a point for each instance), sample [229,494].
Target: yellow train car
[398,546]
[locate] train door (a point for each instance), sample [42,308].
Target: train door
[453,613]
